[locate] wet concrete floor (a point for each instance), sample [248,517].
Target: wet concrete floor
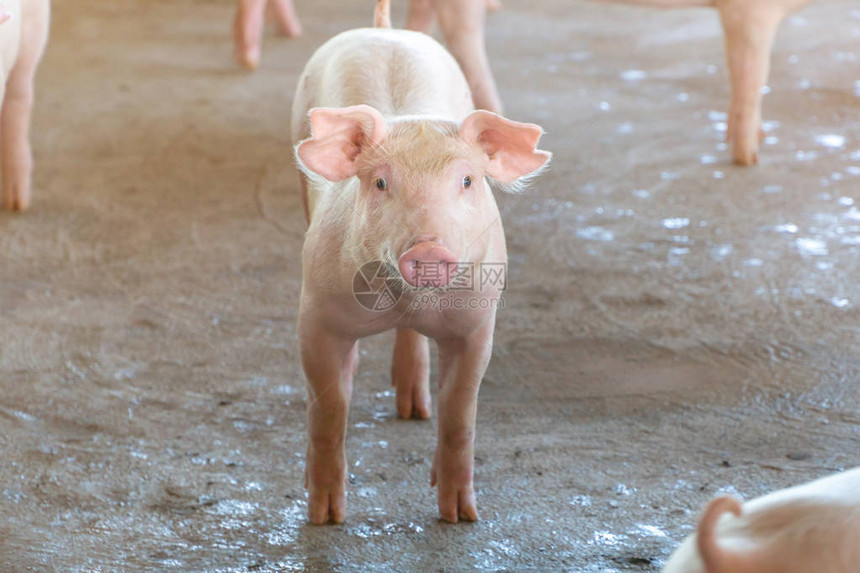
[674,326]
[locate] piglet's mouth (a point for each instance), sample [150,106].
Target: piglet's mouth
[428,264]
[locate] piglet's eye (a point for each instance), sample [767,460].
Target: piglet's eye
[381,184]
[467,181]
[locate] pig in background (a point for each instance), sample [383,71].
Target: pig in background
[810,528]
[23,35]
[461,22]
[462,25]
[395,168]
[749,29]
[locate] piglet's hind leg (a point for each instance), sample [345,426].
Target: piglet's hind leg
[410,374]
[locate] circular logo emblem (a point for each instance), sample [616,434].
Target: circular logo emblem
[377,285]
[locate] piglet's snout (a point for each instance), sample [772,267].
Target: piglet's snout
[428,264]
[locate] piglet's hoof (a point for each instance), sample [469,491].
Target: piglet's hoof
[325,479]
[457,504]
[455,493]
[326,505]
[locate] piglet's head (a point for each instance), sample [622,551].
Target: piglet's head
[423,197]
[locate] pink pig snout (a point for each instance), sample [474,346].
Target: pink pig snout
[428,264]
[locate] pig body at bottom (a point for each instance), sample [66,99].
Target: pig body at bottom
[22,40]
[394,169]
[810,528]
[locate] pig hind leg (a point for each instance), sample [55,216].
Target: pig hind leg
[410,374]
[248,32]
[462,23]
[248,27]
[17,156]
[286,18]
[749,28]
[421,17]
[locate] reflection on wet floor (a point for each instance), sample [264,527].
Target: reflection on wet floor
[674,326]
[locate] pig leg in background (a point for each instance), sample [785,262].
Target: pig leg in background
[329,362]
[286,18]
[410,374]
[750,29]
[421,16]
[17,156]
[462,364]
[248,31]
[248,27]
[462,24]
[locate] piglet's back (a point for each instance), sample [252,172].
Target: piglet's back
[398,72]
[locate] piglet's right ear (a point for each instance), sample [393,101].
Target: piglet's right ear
[338,135]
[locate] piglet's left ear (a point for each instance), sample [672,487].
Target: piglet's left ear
[511,146]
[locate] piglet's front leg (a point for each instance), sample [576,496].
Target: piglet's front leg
[462,363]
[329,362]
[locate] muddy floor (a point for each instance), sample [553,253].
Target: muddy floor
[674,326]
